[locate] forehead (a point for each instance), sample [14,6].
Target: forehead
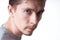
[33,4]
[36,2]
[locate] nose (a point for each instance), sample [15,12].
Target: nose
[33,19]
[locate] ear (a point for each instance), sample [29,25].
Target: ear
[11,10]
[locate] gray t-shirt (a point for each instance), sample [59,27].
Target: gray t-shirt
[6,35]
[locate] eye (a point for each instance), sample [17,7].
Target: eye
[28,11]
[40,13]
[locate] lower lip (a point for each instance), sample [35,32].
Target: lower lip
[30,29]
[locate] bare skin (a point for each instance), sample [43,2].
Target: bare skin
[25,18]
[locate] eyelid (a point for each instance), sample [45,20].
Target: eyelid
[29,9]
[41,11]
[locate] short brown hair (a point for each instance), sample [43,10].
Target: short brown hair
[16,2]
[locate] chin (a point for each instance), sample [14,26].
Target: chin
[28,34]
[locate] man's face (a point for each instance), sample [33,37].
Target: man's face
[27,15]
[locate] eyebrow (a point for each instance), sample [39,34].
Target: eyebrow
[41,10]
[30,9]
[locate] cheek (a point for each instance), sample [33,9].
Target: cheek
[20,20]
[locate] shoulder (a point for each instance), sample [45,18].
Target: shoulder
[2,31]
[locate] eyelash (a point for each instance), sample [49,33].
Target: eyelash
[28,11]
[40,13]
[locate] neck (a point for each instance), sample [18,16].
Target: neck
[10,26]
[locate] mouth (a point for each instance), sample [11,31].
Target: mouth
[30,29]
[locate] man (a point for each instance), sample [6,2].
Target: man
[23,19]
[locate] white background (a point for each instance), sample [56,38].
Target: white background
[49,26]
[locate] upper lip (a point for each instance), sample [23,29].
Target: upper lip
[32,28]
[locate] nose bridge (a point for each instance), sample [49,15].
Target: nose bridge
[33,18]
